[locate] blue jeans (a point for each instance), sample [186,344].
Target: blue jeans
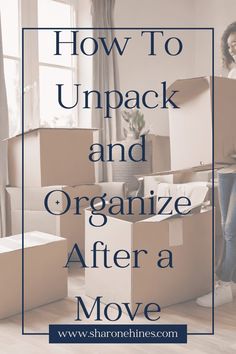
[227,199]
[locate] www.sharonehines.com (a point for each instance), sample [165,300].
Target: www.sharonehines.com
[117,334]
[120,334]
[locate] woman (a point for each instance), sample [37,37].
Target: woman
[228,47]
[225,288]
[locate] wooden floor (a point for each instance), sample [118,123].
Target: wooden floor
[198,320]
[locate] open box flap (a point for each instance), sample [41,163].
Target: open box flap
[188,88]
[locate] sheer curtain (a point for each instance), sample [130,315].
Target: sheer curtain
[105,77]
[3,146]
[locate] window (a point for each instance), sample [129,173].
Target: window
[10,37]
[42,69]
[55,69]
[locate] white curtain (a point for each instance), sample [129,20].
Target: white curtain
[105,77]
[4,131]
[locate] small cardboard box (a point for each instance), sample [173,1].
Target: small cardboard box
[189,238]
[191,124]
[52,156]
[45,276]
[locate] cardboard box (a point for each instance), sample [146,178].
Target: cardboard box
[189,238]
[186,176]
[68,225]
[191,125]
[45,276]
[160,152]
[36,217]
[52,156]
[176,176]
[34,197]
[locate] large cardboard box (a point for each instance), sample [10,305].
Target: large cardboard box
[189,238]
[191,125]
[52,156]
[44,273]
[36,217]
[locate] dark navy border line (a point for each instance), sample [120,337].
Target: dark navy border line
[213,179]
[22,176]
[213,156]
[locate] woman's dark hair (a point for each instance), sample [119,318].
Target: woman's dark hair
[226,57]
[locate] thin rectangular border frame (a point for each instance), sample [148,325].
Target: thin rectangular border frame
[213,157]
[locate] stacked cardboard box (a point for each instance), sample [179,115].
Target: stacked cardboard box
[54,159]
[69,225]
[45,277]
[52,156]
